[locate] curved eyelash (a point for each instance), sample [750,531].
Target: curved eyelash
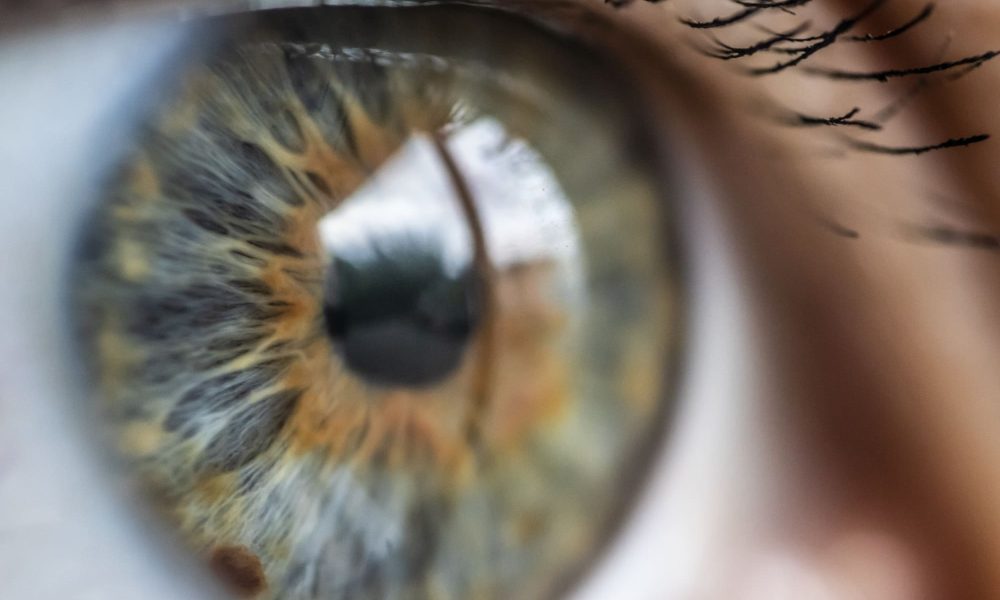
[798,45]
[749,10]
[973,62]
[846,120]
[924,15]
[796,48]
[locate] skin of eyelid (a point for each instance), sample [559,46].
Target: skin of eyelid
[865,335]
[877,418]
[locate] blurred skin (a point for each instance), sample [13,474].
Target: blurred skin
[882,412]
[861,460]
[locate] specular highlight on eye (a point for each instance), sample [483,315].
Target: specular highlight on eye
[297,348]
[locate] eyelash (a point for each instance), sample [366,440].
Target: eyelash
[947,236]
[800,44]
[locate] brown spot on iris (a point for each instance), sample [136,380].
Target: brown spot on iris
[240,569]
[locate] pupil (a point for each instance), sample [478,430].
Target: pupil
[398,318]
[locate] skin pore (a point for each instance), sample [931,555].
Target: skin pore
[863,460]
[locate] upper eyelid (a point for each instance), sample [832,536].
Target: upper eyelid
[587,19]
[666,80]
[26,16]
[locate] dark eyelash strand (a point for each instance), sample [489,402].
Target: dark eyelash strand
[959,142]
[749,10]
[823,41]
[801,46]
[846,120]
[949,236]
[623,3]
[838,228]
[923,16]
[724,51]
[973,62]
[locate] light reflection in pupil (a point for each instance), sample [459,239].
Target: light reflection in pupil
[400,319]
[404,295]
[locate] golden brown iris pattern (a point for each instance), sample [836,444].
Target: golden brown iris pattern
[201,299]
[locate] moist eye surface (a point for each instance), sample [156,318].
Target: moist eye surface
[381,303]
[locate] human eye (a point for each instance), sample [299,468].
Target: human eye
[352,302]
[789,229]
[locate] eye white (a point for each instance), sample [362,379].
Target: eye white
[64,111]
[684,519]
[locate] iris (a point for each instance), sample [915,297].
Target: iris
[379,303]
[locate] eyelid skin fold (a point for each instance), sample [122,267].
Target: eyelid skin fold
[880,348]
